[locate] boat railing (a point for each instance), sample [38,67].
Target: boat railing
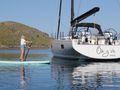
[62,36]
[106,39]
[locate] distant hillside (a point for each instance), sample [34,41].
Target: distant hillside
[10,34]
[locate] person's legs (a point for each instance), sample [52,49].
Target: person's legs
[22,53]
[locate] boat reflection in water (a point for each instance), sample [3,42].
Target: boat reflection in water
[77,75]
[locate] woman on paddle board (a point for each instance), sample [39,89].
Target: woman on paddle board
[23,45]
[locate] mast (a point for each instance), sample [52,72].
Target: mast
[72,18]
[59,19]
[72,10]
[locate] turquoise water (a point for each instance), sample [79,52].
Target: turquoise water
[61,74]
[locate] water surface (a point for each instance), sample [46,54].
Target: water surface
[61,74]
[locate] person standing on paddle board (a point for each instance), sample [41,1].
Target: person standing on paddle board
[23,45]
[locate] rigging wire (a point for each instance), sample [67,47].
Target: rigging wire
[79,6]
[94,20]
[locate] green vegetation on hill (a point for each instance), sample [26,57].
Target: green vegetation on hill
[10,34]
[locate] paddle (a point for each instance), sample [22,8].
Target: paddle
[29,45]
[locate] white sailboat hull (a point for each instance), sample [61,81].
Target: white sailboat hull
[70,49]
[97,51]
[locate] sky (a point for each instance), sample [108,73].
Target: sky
[43,14]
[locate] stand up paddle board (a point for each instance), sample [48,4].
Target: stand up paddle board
[25,62]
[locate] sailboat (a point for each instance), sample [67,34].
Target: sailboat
[82,43]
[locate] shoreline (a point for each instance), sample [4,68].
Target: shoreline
[18,48]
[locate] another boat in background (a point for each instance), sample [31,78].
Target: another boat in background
[62,47]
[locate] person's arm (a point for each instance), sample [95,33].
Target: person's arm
[29,44]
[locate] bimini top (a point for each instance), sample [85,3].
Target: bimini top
[91,25]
